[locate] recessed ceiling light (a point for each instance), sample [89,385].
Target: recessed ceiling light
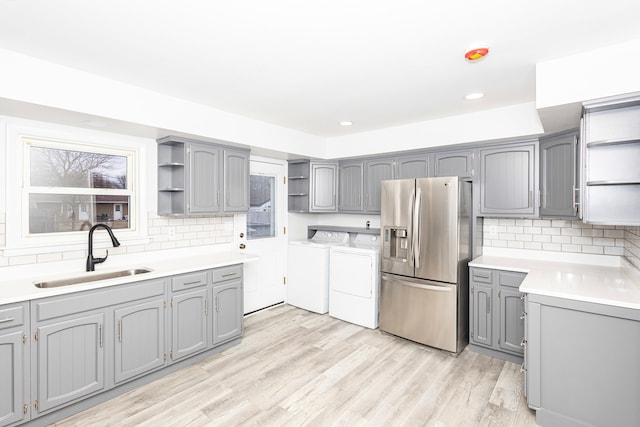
[473,96]
[346,123]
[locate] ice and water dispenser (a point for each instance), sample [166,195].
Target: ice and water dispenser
[395,244]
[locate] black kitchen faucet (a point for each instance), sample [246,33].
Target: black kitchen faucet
[91,261]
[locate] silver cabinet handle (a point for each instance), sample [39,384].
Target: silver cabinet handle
[522,297]
[7,320]
[119,330]
[100,335]
[228,274]
[523,369]
[522,316]
[195,282]
[523,342]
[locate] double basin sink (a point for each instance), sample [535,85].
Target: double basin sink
[91,278]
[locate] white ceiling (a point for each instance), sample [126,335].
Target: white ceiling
[308,65]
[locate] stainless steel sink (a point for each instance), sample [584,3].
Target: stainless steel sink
[91,278]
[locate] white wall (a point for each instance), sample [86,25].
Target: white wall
[599,73]
[30,80]
[500,123]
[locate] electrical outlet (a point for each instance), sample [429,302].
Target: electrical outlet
[171,232]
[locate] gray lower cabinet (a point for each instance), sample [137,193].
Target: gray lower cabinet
[482,307]
[57,351]
[350,186]
[375,171]
[454,163]
[559,175]
[496,313]
[14,364]
[189,311]
[227,299]
[139,338]
[508,180]
[69,359]
[574,349]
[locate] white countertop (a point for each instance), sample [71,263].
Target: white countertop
[613,281]
[17,284]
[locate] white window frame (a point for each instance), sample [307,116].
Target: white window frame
[18,139]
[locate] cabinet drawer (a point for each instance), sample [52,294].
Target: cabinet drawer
[188,281]
[227,273]
[510,278]
[481,275]
[12,315]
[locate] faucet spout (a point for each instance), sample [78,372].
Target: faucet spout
[91,260]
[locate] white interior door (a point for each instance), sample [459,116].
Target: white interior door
[265,238]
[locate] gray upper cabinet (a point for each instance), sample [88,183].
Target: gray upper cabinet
[236,180]
[611,149]
[324,187]
[454,163]
[139,338]
[313,186]
[416,166]
[204,179]
[351,186]
[508,180]
[198,178]
[375,171]
[14,364]
[558,175]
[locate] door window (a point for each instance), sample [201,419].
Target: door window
[261,219]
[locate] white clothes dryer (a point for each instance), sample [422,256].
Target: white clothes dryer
[354,281]
[308,270]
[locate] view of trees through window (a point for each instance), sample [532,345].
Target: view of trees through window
[72,190]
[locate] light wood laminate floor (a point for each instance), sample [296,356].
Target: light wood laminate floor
[296,368]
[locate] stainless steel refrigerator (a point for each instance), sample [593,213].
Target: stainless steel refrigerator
[426,244]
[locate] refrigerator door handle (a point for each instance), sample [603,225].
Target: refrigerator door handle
[415,240]
[410,233]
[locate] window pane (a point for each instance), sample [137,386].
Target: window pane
[55,213]
[261,216]
[52,167]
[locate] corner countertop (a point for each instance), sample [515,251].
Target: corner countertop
[17,285]
[602,280]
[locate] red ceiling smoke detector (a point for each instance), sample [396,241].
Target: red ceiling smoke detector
[476,54]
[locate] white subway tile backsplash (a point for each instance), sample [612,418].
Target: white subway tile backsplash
[564,236]
[582,240]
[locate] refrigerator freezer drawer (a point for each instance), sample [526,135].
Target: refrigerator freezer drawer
[420,310]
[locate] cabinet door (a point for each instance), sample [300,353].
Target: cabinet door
[350,180]
[507,181]
[454,163]
[511,324]
[70,360]
[376,171]
[13,379]
[228,312]
[324,187]
[482,314]
[236,181]
[558,180]
[188,323]
[204,179]
[139,339]
[412,167]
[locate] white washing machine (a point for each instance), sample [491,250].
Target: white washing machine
[354,281]
[308,270]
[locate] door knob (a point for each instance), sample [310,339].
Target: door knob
[242,246]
